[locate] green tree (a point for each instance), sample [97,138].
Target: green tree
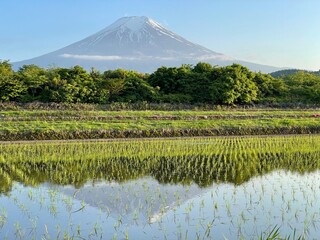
[200,79]
[203,68]
[167,79]
[128,86]
[136,90]
[113,81]
[234,86]
[303,87]
[101,94]
[81,85]
[61,87]
[173,83]
[34,78]
[269,88]
[10,87]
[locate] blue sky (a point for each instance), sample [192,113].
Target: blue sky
[283,33]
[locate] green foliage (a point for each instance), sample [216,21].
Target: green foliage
[203,68]
[167,79]
[303,87]
[34,79]
[234,86]
[199,84]
[10,87]
[287,72]
[205,83]
[202,77]
[128,86]
[269,86]
[137,90]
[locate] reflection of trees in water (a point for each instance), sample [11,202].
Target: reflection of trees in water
[233,167]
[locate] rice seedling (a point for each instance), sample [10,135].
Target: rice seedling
[19,233]
[3,217]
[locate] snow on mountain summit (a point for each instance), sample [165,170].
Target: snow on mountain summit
[137,36]
[132,23]
[136,26]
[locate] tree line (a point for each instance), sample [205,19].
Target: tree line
[202,83]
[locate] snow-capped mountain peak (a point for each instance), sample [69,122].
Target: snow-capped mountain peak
[135,43]
[133,30]
[133,24]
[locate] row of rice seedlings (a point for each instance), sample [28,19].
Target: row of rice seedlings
[71,151]
[202,161]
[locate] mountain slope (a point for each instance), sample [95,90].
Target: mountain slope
[135,43]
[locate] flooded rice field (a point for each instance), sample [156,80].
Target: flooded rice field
[210,188]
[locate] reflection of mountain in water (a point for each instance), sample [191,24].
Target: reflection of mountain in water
[140,201]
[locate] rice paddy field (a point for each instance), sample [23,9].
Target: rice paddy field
[235,187]
[49,124]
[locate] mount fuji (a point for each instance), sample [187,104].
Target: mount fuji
[135,43]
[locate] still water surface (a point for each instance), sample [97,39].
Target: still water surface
[146,209]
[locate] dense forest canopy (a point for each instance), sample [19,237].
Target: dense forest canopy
[286,72]
[202,83]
